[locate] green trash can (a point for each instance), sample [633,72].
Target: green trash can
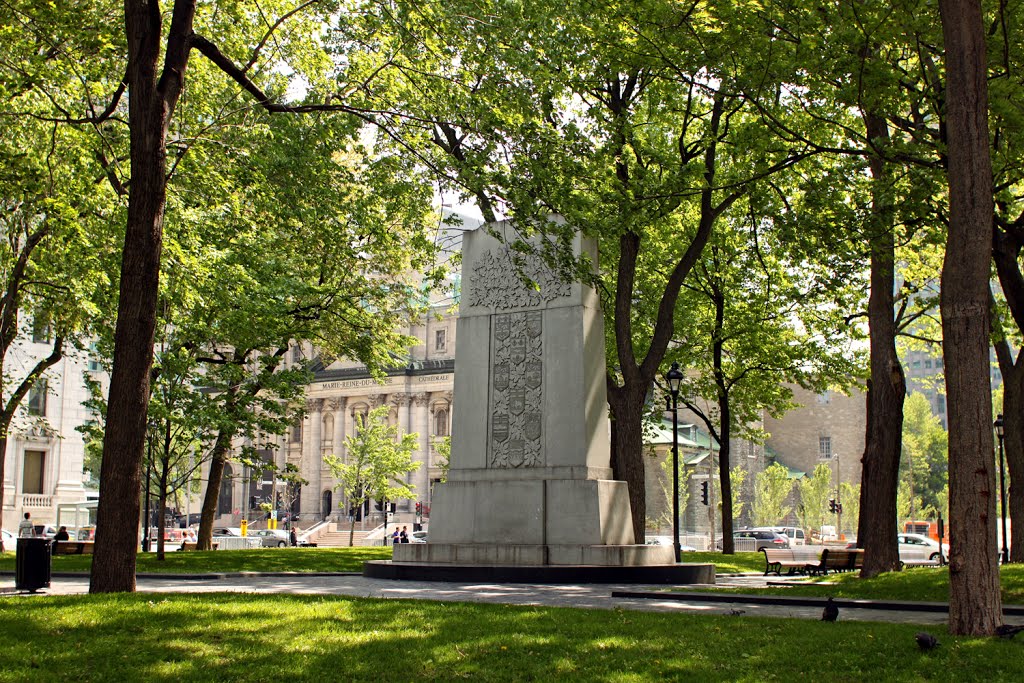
[32,564]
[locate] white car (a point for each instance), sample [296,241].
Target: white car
[918,549]
[10,540]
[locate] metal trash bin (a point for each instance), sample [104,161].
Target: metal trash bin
[32,564]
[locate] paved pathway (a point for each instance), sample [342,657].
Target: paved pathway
[594,595]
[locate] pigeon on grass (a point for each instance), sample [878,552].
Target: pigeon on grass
[1008,631]
[831,612]
[926,641]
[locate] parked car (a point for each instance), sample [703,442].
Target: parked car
[227,531]
[272,538]
[10,540]
[793,533]
[45,530]
[418,537]
[919,549]
[752,540]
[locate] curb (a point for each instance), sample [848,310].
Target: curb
[209,576]
[787,601]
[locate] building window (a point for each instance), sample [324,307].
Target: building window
[940,404]
[297,431]
[825,397]
[94,358]
[938,363]
[37,399]
[32,473]
[825,447]
[928,363]
[327,431]
[440,340]
[297,353]
[441,422]
[40,330]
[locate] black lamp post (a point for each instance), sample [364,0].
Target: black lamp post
[998,424]
[674,377]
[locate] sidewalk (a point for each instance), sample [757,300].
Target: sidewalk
[596,596]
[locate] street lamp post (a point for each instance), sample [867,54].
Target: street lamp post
[674,377]
[998,424]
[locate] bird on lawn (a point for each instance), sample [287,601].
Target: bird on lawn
[831,612]
[737,612]
[926,641]
[1008,630]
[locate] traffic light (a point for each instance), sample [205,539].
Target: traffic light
[704,492]
[419,509]
[832,505]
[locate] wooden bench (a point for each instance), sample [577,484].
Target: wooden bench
[839,560]
[191,545]
[71,548]
[795,560]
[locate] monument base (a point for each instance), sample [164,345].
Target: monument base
[533,555]
[673,574]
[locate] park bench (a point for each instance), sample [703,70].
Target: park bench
[838,560]
[795,560]
[191,545]
[72,548]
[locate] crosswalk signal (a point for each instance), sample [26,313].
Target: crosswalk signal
[704,492]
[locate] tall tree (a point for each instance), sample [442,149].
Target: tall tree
[53,227]
[748,329]
[262,48]
[642,148]
[975,604]
[771,489]
[814,494]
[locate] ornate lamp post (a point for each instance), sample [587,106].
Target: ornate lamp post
[998,424]
[674,377]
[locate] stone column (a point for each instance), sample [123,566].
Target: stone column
[403,404]
[421,477]
[309,467]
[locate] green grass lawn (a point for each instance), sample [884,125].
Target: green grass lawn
[928,584]
[256,560]
[230,637]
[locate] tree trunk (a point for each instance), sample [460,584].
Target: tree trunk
[628,463]
[218,458]
[887,389]
[975,603]
[161,524]
[1013,450]
[3,456]
[151,101]
[724,427]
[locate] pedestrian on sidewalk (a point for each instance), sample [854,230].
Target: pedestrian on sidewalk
[395,537]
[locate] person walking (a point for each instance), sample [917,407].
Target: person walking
[394,537]
[293,537]
[404,536]
[25,528]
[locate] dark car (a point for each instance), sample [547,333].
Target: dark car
[752,540]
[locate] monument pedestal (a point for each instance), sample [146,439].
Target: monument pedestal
[529,495]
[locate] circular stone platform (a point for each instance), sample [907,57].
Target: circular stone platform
[644,574]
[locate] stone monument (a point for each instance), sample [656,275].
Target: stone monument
[529,483]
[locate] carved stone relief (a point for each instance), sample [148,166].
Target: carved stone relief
[497,283]
[517,390]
